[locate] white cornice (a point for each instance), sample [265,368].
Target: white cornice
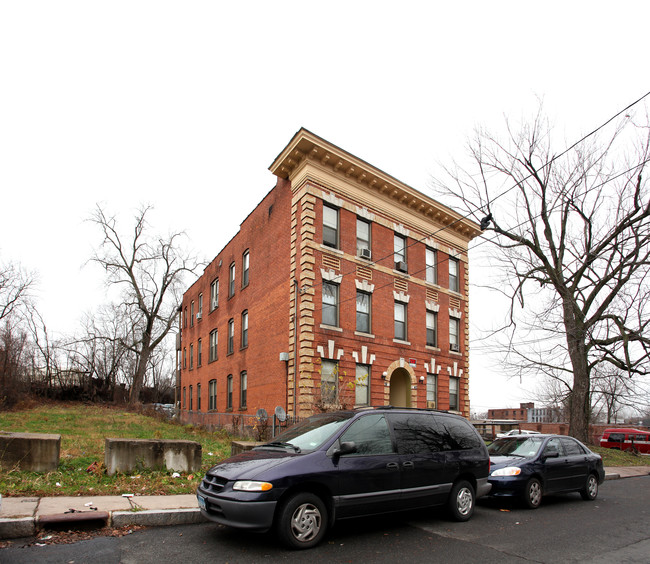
[321,157]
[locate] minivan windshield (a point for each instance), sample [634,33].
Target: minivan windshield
[519,446]
[312,432]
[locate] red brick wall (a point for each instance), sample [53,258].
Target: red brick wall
[265,233]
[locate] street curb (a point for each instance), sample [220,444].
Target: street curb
[157,517]
[612,476]
[14,528]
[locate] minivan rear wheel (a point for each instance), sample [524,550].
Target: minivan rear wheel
[302,521]
[461,501]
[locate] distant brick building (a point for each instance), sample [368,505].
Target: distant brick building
[378,274]
[528,412]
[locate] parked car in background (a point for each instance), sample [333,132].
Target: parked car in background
[349,464]
[529,467]
[633,440]
[516,432]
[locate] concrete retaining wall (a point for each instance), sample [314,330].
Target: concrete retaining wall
[33,452]
[126,455]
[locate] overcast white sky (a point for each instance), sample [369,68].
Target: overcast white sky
[186,104]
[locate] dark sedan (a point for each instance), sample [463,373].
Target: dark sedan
[529,467]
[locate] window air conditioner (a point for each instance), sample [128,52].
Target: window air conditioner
[199,315]
[401,266]
[365,254]
[454,347]
[214,305]
[431,404]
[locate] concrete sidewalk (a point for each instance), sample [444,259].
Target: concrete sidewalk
[25,516]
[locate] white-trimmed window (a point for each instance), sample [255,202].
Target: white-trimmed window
[454,283]
[199,353]
[199,313]
[329,386]
[231,336]
[431,266]
[362,385]
[399,247]
[245,268]
[231,280]
[214,294]
[330,226]
[363,312]
[363,238]
[400,321]
[454,386]
[191,399]
[432,329]
[243,389]
[432,391]
[212,395]
[198,397]
[454,334]
[229,392]
[191,356]
[244,329]
[330,304]
[214,341]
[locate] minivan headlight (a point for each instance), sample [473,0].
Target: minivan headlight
[251,486]
[507,471]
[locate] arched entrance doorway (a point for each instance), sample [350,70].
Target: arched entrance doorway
[400,388]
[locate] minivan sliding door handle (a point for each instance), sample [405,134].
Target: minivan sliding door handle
[392,466]
[408,464]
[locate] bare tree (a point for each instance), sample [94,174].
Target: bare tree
[573,239]
[149,271]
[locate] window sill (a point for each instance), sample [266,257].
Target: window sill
[400,342]
[331,249]
[362,334]
[432,348]
[331,328]
[456,353]
[403,274]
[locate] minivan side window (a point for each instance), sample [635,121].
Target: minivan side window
[371,435]
[416,433]
[459,434]
[616,437]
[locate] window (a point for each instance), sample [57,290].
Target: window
[363,312]
[454,334]
[330,304]
[184,357]
[214,294]
[453,275]
[229,393]
[432,391]
[184,397]
[432,329]
[192,314]
[329,387]
[399,247]
[330,226]
[243,389]
[185,318]
[363,238]
[191,400]
[370,434]
[214,341]
[199,354]
[199,313]
[191,356]
[231,281]
[231,336]
[400,321]
[212,395]
[244,329]
[453,393]
[198,397]
[432,266]
[244,269]
[362,385]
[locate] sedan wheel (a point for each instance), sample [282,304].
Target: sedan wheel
[533,493]
[302,521]
[590,491]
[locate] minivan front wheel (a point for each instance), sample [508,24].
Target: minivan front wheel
[302,521]
[461,501]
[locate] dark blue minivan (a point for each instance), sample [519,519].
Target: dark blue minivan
[348,464]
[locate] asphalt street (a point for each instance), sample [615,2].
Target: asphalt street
[614,528]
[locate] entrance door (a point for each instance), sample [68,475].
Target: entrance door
[400,388]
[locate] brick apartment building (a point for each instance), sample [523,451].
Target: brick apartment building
[378,274]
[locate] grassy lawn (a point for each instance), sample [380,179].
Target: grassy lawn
[613,457]
[83,429]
